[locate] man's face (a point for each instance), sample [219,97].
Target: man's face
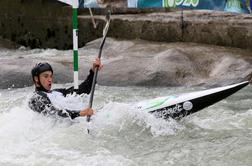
[45,79]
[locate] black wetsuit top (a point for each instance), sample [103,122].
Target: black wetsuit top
[41,103]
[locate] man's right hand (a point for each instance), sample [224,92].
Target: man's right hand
[87,112]
[97,63]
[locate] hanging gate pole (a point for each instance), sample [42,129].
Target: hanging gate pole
[75,45]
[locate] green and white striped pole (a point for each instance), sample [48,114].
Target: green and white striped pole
[75,44]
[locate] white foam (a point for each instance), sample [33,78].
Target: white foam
[119,117]
[123,135]
[70,102]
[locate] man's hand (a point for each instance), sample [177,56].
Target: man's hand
[97,63]
[87,112]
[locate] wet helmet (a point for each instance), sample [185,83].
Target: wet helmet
[40,68]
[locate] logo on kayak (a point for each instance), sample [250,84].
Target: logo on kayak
[175,111]
[187,105]
[165,112]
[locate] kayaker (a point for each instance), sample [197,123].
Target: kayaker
[42,75]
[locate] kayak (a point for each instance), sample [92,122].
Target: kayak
[178,106]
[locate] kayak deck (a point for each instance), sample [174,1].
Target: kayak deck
[178,106]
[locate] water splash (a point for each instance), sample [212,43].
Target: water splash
[121,117]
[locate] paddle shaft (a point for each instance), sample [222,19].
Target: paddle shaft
[95,76]
[96,68]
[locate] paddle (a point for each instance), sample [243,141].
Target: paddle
[105,31]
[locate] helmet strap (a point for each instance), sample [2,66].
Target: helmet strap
[40,87]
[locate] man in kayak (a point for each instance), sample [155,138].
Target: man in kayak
[42,75]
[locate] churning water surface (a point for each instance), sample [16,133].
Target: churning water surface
[120,135]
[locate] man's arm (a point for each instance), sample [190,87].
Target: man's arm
[84,87]
[42,104]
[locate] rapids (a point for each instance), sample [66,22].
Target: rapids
[120,135]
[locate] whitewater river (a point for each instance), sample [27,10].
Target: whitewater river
[120,135]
